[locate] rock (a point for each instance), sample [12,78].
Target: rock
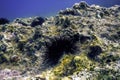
[37,35]
[3,47]
[94,51]
[3,21]
[83,75]
[106,12]
[23,21]
[80,43]
[64,22]
[84,38]
[8,36]
[37,21]
[81,5]
[20,22]
[3,28]
[99,14]
[81,38]
[14,58]
[2,59]
[76,6]
[118,33]
[69,11]
[8,74]
[1,37]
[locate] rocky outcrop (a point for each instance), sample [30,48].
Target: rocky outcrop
[35,21]
[80,43]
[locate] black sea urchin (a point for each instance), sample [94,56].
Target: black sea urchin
[57,47]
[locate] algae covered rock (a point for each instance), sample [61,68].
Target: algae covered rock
[94,51]
[3,47]
[80,43]
[35,21]
[69,12]
[82,5]
[2,58]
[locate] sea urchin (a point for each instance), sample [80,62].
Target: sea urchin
[57,47]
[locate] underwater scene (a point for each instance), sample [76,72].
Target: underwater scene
[60,40]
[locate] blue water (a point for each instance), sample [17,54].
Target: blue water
[25,8]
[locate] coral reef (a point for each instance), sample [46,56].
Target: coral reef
[80,43]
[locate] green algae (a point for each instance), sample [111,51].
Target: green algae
[72,64]
[64,67]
